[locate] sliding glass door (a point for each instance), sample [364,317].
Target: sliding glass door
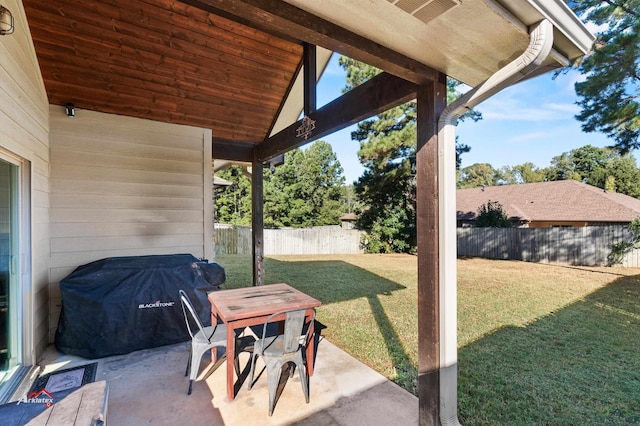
[10,295]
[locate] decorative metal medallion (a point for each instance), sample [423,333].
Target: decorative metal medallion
[306,128]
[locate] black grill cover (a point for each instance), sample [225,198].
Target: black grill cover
[122,304]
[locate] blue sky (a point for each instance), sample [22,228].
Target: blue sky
[530,121]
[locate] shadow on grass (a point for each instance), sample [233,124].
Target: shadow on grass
[332,282]
[580,365]
[337,281]
[329,281]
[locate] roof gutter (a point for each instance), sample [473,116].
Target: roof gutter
[540,45]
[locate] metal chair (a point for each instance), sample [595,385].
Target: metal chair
[282,349]
[204,339]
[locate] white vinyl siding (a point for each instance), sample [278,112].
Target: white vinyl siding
[122,186]
[24,128]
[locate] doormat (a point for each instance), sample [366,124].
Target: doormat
[63,380]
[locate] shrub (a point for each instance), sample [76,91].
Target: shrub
[492,215]
[621,248]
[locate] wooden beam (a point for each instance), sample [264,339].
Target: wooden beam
[284,20]
[232,150]
[431,102]
[309,78]
[257,221]
[382,92]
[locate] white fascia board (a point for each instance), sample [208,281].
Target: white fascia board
[565,21]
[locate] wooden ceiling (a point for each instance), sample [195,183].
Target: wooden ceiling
[227,65]
[165,61]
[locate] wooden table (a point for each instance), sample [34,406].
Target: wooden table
[244,307]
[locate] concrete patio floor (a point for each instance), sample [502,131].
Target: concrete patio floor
[149,387]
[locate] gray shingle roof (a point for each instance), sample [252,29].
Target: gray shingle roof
[564,200]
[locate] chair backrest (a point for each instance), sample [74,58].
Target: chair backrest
[293,326]
[188,306]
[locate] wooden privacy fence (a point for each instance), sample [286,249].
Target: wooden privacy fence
[587,246]
[316,240]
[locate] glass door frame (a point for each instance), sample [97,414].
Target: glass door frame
[20,304]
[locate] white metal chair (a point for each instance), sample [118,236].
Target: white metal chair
[204,339]
[282,349]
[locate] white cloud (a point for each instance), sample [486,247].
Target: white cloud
[521,111]
[572,109]
[574,78]
[530,136]
[533,101]
[566,82]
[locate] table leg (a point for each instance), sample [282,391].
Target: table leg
[214,350]
[231,353]
[311,346]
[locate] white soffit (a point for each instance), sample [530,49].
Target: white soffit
[294,103]
[468,40]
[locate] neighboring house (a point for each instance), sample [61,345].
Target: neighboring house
[547,204]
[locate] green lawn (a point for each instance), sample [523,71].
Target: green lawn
[538,344]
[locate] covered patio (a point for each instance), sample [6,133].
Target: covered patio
[149,387]
[105,94]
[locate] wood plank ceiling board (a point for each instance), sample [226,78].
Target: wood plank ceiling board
[163,60]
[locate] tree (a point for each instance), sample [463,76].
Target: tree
[349,201]
[609,95]
[388,154]
[306,190]
[562,168]
[233,203]
[605,168]
[477,175]
[322,184]
[621,248]
[359,72]
[460,149]
[528,173]
[610,184]
[492,215]
[590,163]
[623,176]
